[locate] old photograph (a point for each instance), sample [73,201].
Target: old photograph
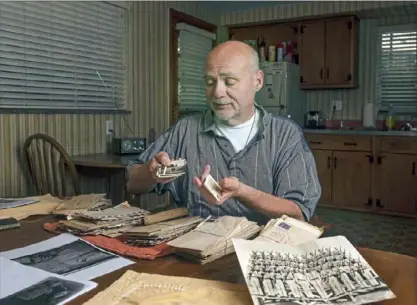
[66,259]
[326,271]
[50,291]
[327,276]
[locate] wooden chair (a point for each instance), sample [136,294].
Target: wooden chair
[50,167]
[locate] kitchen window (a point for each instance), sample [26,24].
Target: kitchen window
[62,55]
[194,44]
[397,67]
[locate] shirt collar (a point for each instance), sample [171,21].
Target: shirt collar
[209,123]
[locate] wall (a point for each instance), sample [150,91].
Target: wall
[84,133]
[353,99]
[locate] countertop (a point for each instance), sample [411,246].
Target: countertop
[365,132]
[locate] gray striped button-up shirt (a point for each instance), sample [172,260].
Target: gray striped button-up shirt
[276,161]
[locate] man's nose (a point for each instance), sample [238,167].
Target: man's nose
[219,90]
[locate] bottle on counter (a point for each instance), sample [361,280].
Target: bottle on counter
[280,52]
[272,56]
[390,120]
[262,51]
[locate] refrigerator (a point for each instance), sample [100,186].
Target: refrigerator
[281,94]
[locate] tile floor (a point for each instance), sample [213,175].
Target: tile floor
[381,232]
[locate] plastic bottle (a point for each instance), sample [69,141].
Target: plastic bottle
[390,120]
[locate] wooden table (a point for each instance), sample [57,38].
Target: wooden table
[398,271]
[109,165]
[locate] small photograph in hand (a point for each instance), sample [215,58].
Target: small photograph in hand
[177,168]
[213,187]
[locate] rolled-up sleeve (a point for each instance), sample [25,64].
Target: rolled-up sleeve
[295,177]
[168,143]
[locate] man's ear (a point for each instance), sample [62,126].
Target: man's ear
[259,78]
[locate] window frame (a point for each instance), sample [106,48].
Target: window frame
[410,109]
[179,17]
[127,105]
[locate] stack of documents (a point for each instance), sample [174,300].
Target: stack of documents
[287,230]
[161,232]
[109,222]
[213,239]
[86,202]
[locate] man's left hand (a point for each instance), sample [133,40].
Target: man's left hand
[229,186]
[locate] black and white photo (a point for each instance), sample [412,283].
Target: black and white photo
[50,291]
[66,259]
[69,256]
[325,271]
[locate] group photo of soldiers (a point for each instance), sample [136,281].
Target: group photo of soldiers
[328,275]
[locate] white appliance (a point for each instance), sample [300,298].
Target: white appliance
[281,94]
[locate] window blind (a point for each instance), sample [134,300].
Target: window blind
[62,55]
[194,44]
[397,65]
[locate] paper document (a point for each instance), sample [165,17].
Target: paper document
[287,230]
[146,289]
[7,203]
[324,271]
[68,256]
[23,285]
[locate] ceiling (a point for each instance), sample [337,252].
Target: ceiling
[228,6]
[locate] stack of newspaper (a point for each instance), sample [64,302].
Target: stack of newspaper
[212,239]
[160,232]
[109,222]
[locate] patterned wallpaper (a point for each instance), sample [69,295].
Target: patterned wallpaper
[84,133]
[372,14]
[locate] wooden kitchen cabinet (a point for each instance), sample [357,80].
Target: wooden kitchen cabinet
[312,54]
[328,53]
[367,173]
[396,183]
[345,178]
[351,183]
[277,33]
[324,167]
[245,33]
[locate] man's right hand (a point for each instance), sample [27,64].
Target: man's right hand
[160,158]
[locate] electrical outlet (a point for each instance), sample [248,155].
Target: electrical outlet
[109,128]
[337,105]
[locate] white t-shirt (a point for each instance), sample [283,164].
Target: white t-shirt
[239,135]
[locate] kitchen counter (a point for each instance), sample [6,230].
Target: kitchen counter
[365,132]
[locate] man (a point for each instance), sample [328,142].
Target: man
[262,163]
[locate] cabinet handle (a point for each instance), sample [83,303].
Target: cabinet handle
[321,73]
[328,161]
[335,162]
[328,73]
[414,169]
[380,159]
[370,158]
[315,142]
[350,144]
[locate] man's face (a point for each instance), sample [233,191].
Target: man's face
[231,84]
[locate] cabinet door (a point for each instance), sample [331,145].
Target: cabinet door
[277,33]
[312,54]
[340,52]
[397,183]
[323,160]
[351,179]
[246,33]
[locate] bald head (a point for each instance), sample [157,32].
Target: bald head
[232,79]
[234,48]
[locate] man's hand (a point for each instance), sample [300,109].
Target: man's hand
[229,186]
[160,158]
